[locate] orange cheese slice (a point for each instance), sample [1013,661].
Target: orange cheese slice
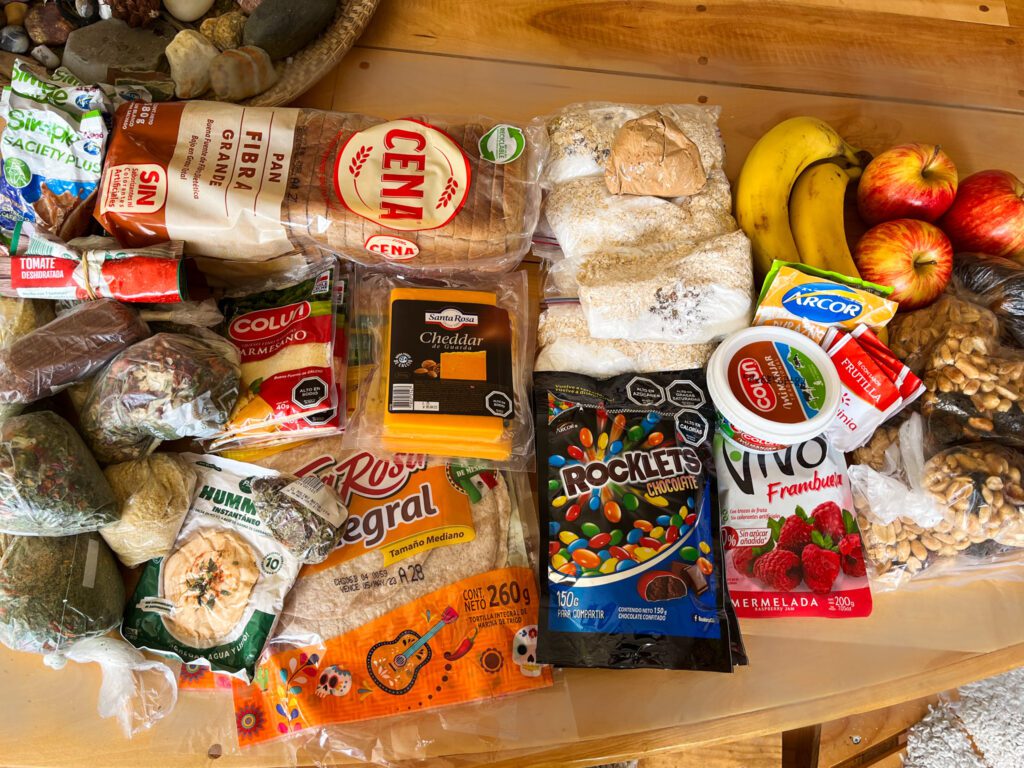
[469,366]
[440,434]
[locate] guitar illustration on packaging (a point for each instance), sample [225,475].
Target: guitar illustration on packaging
[394,664]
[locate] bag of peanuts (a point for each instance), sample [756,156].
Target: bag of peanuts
[974,385]
[959,512]
[250,184]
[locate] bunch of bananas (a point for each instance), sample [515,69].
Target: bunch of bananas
[789,197]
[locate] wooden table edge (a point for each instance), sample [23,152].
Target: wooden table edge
[762,723]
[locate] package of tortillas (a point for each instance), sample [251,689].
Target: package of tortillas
[215,597]
[427,601]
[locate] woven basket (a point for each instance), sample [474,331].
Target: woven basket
[313,62]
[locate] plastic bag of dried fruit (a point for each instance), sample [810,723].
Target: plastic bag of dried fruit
[959,512]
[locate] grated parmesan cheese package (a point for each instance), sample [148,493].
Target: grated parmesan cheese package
[284,330]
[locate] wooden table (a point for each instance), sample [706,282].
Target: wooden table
[948,71]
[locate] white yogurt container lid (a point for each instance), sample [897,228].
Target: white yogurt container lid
[774,384]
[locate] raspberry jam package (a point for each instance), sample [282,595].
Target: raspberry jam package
[792,543]
[631,566]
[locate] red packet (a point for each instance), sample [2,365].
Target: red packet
[868,398]
[911,387]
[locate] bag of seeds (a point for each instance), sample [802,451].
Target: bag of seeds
[632,573]
[50,485]
[55,589]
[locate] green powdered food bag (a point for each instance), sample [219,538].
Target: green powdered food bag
[50,485]
[55,589]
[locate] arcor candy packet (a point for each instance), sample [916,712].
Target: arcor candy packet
[791,539]
[631,569]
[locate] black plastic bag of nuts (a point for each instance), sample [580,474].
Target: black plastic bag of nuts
[997,283]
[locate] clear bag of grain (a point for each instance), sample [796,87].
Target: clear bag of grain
[153,495]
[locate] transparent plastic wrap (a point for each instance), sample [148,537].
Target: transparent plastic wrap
[446,585]
[153,495]
[166,387]
[340,180]
[136,691]
[959,513]
[55,589]
[19,317]
[50,485]
[68,349]
[284,330]
[450,372]
[997,283]
[564,343]
[307,518]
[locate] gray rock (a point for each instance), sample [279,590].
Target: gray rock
[282,27]
[14,39]
[45,56]
[111,44]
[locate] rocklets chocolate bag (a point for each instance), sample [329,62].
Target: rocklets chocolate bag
[631,570]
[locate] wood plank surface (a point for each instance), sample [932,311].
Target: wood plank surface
[975,140]
[738,42]
[993,12]
[758,752]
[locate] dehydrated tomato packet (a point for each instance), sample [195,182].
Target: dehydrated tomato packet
[792,543]
[632,573]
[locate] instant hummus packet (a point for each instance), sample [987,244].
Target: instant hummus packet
[432,567]
[216,597]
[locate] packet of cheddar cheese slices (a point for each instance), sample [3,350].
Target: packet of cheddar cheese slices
[810,301]
[449,372]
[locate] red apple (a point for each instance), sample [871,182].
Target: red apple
[988,215]
[911,181]
[911,256]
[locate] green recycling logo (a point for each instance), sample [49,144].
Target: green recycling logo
[17,173]
[502,144]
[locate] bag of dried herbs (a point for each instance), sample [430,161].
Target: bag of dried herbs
[305,515]
[55,589]
[50,485]
[166,387]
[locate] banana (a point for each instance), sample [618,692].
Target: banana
[768,174]
[816,218]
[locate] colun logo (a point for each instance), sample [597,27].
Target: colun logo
[757,392]
[451,318]
[267,323]
[823,302]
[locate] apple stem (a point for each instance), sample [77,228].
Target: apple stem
[934,157]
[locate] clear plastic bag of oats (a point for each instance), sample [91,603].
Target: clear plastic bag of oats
[958,513]
[450,372]
[418,194]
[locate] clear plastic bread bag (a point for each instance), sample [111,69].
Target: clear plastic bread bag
[960,512]
[417,194]
[451,368]
[50,484]
[166,387]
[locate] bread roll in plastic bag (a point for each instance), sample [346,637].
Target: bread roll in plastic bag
[50,485]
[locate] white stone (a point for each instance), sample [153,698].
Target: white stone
[187,10]
[189,55]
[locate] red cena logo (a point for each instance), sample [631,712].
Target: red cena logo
[757,391]
[267,323]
